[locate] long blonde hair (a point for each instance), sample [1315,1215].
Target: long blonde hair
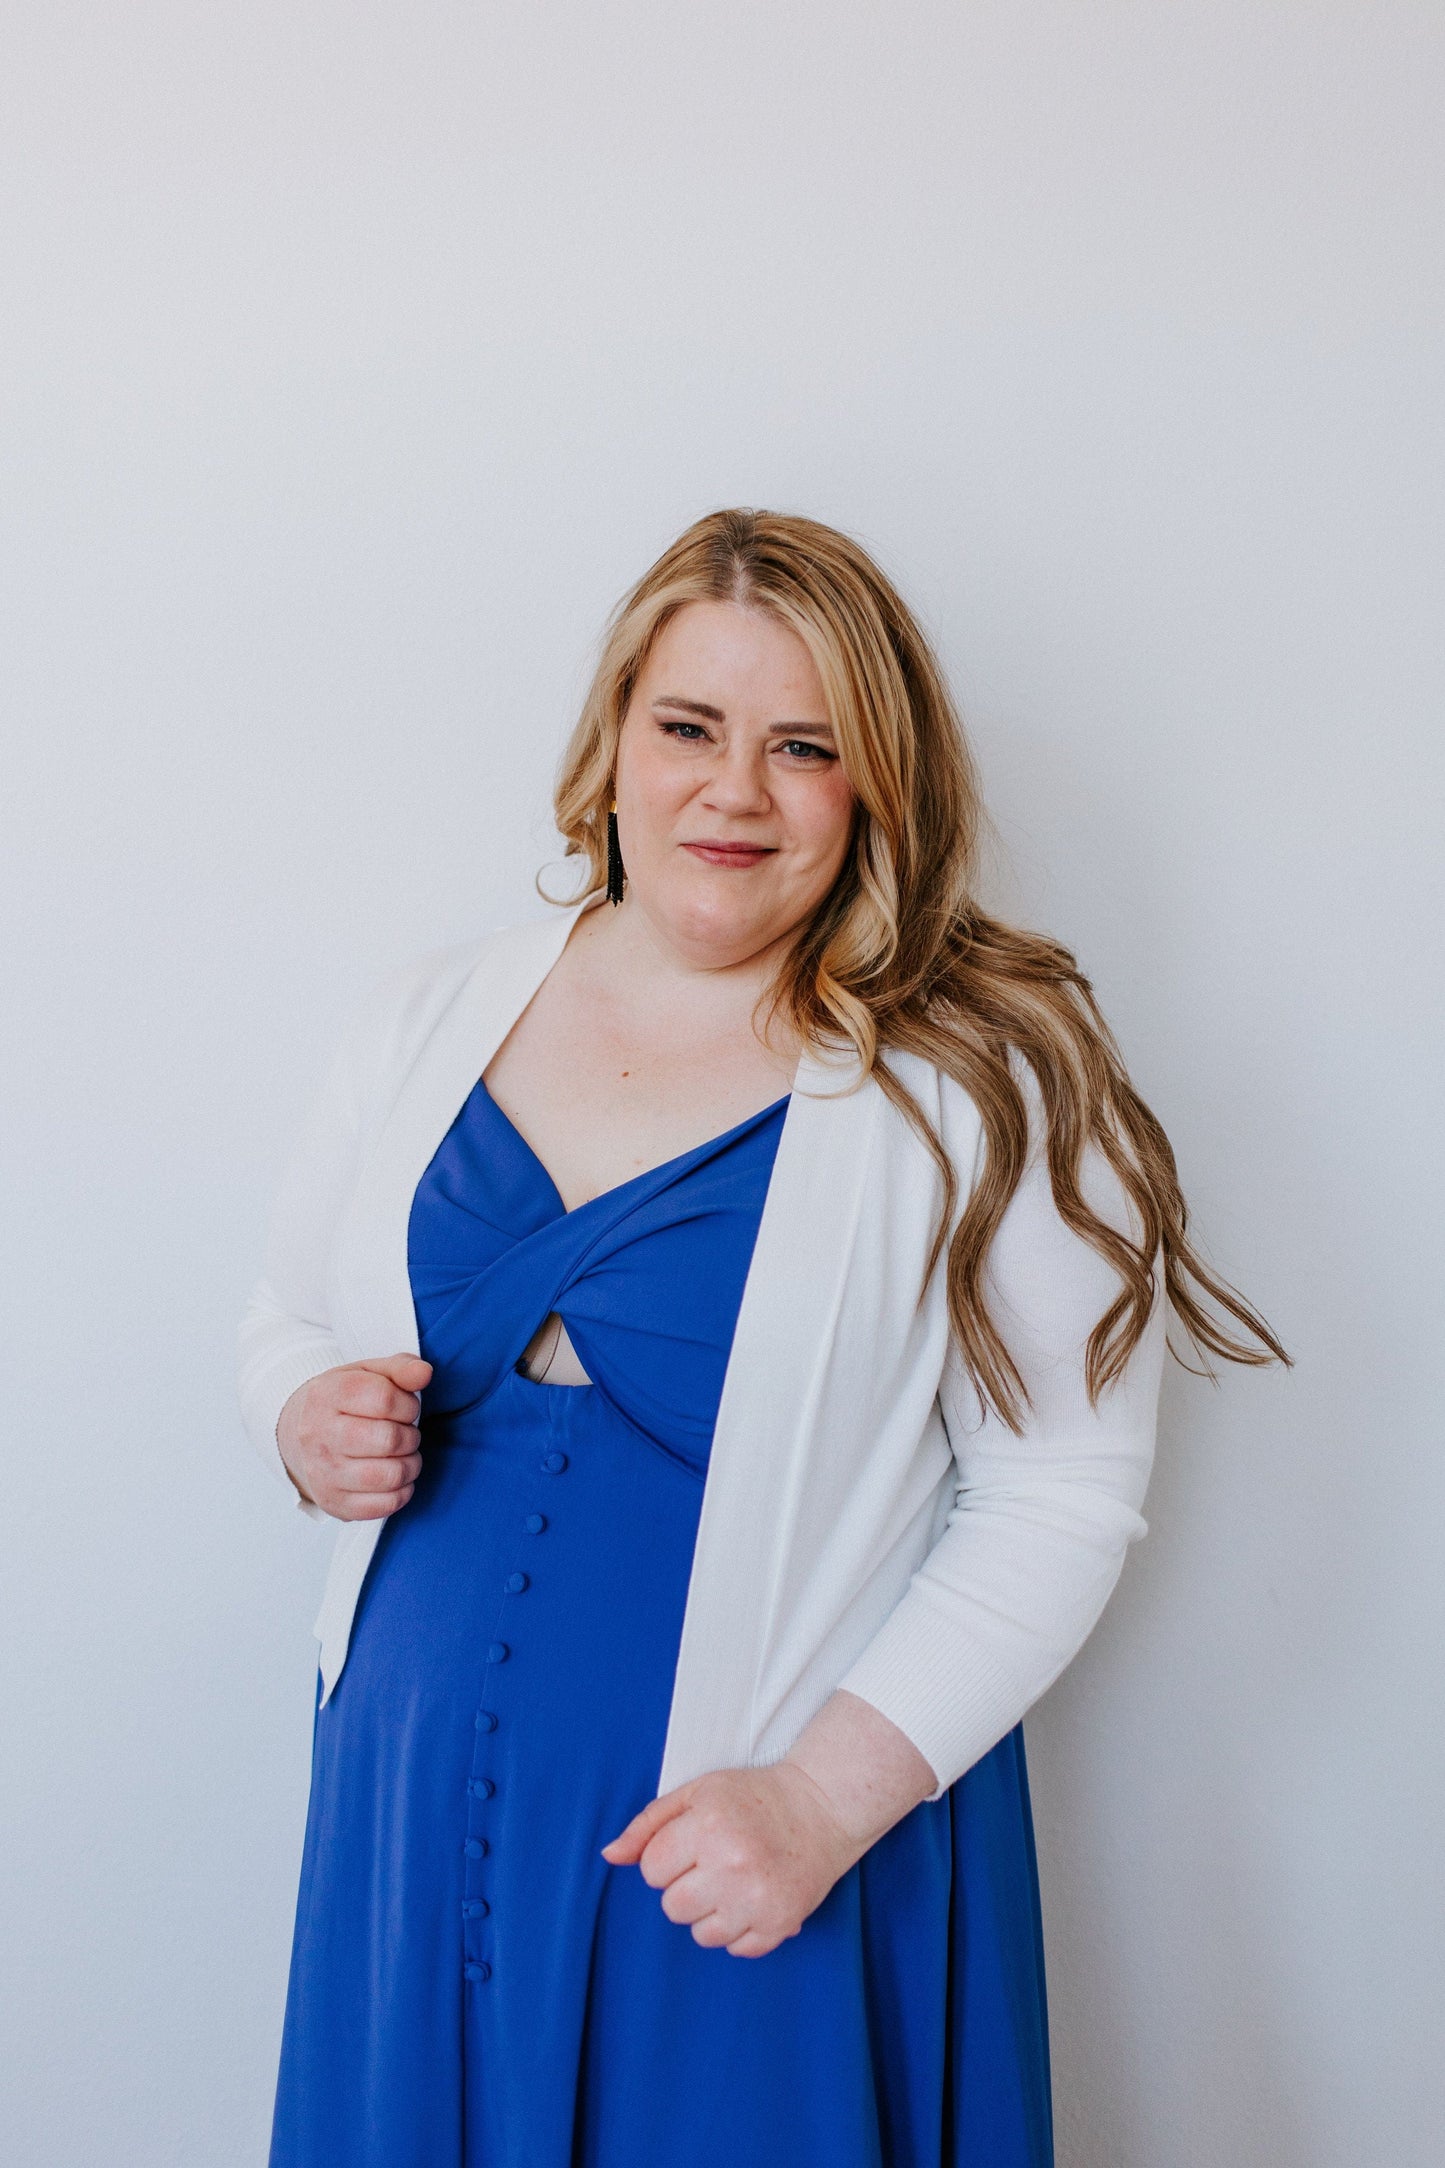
[900,955]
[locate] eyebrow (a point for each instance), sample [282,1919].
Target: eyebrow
[690,707]
[716,715]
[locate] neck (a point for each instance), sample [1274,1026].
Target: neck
[626,940]
[661,949]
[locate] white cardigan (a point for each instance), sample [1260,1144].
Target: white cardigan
[865,1521]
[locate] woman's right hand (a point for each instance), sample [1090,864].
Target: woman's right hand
[349,1437]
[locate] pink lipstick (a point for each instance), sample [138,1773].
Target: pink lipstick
[729,854]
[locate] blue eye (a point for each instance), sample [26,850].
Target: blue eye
[807,747]
[679,730]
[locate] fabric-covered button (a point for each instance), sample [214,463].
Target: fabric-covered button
[475,1908]
[554,1463]
[480,1970]
[515,1583]
[481,1787]
[535,1523]
[498,1653]
[486,1720]
[475,1848]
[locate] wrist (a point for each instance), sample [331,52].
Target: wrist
[845,1841]
[285,1458]
[297,1485]
[866,1771]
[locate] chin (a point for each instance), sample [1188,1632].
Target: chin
[715,908]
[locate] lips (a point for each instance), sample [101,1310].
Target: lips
[729,854]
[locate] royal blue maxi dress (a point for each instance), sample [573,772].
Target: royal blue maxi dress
[472,1985]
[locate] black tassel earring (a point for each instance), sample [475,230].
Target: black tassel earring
[615,870]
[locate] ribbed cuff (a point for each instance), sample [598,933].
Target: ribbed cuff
[944,1694]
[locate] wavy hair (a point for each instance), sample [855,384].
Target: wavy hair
[900,954]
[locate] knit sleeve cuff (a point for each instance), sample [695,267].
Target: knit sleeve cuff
[950,1699]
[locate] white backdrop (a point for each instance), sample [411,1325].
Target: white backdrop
[354,359]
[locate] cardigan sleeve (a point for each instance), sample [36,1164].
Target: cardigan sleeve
[1036,1536]
[286,1334]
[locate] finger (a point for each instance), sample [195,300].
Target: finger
[372,1474]
[370,1505]
[711,1931]
[751,1943]
[410,1372]
[669,1852]
[359,1438]
[629,1843]
[688,1898]
[366,1392]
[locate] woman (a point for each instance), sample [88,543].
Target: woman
[727,1321]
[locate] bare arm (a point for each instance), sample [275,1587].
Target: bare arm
[868,1773]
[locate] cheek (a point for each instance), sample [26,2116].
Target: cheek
[652,786]
[822,820]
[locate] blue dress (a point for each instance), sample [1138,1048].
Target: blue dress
[472,1985]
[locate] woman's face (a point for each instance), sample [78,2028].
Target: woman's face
[733,812]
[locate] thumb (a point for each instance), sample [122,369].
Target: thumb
[410,1372]
[630,1843]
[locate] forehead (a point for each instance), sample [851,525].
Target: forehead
[733,657]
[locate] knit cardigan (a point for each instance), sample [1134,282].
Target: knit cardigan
[867,1521]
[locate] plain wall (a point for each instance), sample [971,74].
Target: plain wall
[355,359]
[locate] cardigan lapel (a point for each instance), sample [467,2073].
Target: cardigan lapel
[374,1284]
[761,1450]
[372,1281]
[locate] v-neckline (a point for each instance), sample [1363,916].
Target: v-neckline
[664,1166]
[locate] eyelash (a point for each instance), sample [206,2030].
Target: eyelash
[818,755]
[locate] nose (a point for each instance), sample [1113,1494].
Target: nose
[737,783]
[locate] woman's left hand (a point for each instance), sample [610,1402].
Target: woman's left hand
[742,1856]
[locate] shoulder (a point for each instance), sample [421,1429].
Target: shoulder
[948,1107]
[953,1107]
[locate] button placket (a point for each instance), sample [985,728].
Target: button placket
[476,1968]
[476,1846]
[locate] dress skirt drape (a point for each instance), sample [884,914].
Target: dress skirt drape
[472,1985]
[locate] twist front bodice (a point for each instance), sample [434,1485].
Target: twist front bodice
[647,1277]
